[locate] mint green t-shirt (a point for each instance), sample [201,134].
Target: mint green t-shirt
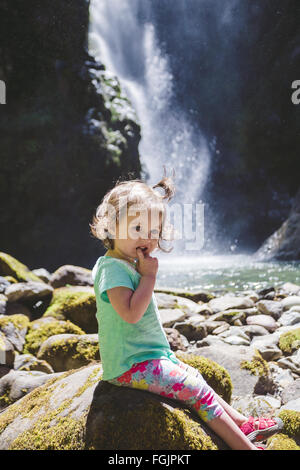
[121,343]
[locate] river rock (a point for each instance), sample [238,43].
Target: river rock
[290,288]
[227,302]
[266,321]
[197,295]
[77,304]
[256,405]
[4,283]
[28,362]
[67,351]
[176,340]
[291,362]
[42,274]
[291,317]
[291,391]
[30,290]
[73,275]
[187,306]
[230,357]
[237,340]
[15,327]
[292,405]
[16,384]
[7,352]
[193,329]
[169,316]
[270,307]
[290,301]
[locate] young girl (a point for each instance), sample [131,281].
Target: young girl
[134,348]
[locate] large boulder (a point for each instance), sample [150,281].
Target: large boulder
[77,411]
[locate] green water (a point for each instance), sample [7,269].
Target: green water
[224,273]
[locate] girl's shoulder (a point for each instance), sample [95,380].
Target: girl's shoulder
[113,263]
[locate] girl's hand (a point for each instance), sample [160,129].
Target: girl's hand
[146,265]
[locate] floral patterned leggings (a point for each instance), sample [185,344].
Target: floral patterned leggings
[179,381]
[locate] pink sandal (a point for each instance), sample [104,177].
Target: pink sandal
[259,429]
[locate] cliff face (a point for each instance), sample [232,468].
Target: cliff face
[68,131]
[284,244]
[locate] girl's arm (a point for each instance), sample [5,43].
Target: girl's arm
[131,305]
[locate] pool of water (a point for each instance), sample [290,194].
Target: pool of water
[224,273]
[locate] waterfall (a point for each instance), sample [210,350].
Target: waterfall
[122,36]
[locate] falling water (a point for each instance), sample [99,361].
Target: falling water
[129,49]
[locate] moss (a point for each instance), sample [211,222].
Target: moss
[19,320]
[257,366]
[65,301]
[10,266]
[50,431]
[5,399]
[216,376]
[290,341]
[281,442]
[36,336]
[165,429]
[291,421]
[11,279]
[69,353]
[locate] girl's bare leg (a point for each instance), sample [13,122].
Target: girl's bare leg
[237,417]
[228,430]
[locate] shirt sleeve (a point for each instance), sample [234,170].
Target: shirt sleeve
[113,275]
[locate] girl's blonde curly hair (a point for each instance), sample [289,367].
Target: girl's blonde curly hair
[133,192]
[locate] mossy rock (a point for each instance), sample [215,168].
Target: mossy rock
[289,438]
[215,375]
[19,320]
[282,442]
[290,341]
[10,266]
[257,366]
[69,351]
[40,331]
[77,411]
[15,327]
[77,304]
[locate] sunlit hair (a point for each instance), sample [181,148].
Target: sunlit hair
[133,192]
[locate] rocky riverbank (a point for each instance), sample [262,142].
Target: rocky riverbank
[51,395]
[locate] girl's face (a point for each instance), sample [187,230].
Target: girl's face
[140,231]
